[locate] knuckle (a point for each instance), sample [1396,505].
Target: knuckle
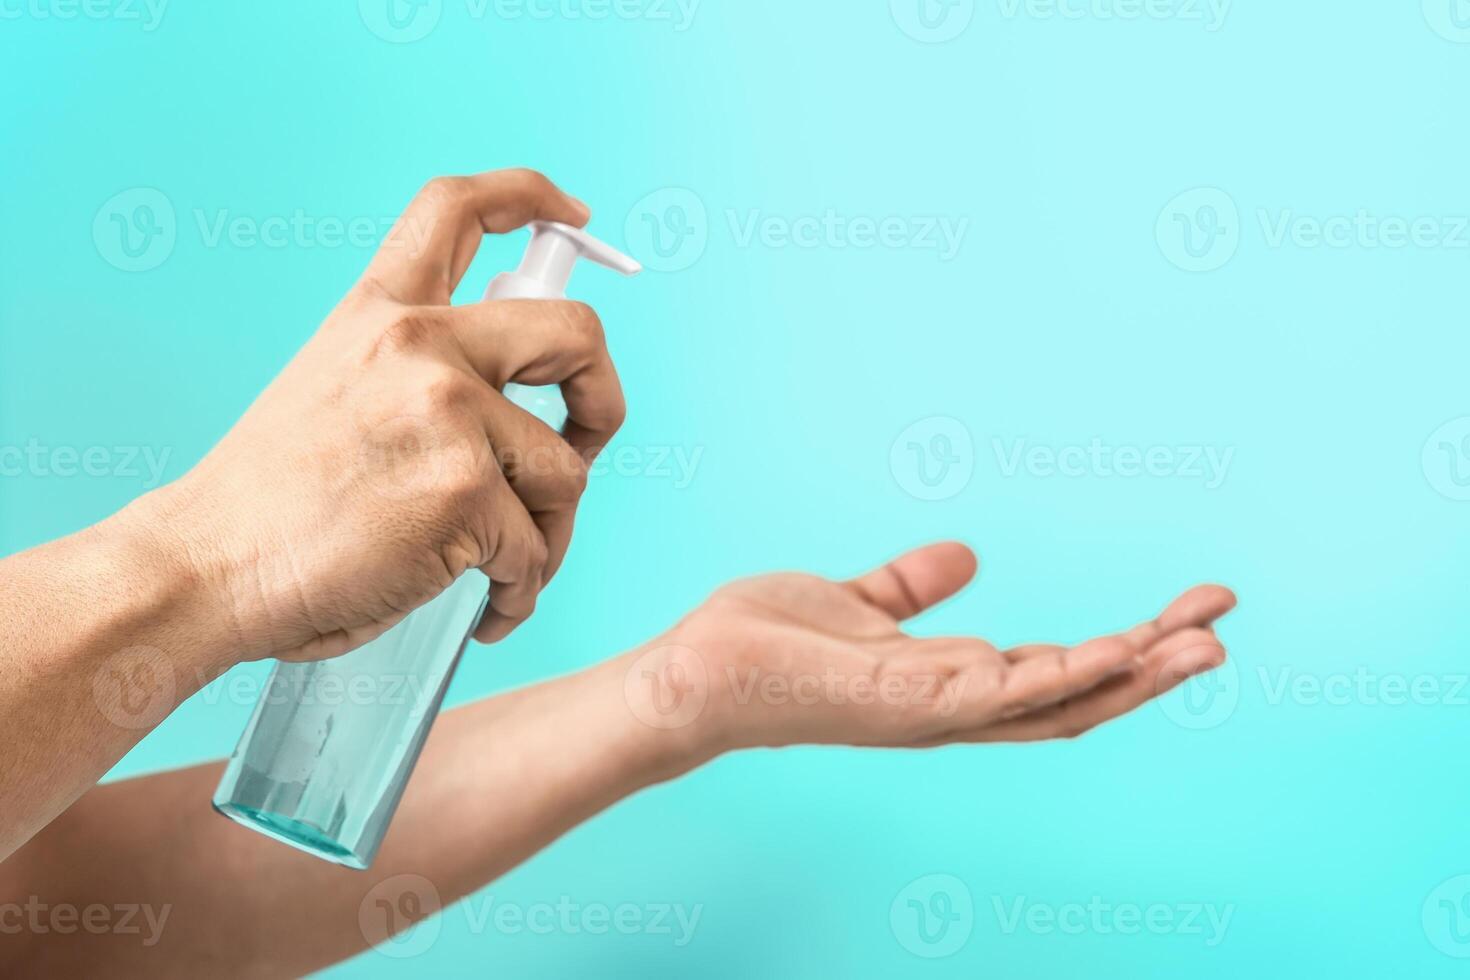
[459,555]
[442,192]
[406,331]
[461,493]
[523,552]
[446,391]
[526,180]
[576,471]
[617,414]
[536,552]
[988,673]
[564,480]
[585,325]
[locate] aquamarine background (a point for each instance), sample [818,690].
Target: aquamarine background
[794,370]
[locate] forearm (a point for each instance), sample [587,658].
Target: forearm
[104,636]
[498,781]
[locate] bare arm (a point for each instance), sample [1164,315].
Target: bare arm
[498,781]
[83,675]
[779,660]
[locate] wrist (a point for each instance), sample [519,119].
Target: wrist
[178,603]
[662,693]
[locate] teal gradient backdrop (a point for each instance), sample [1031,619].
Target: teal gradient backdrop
[911,277]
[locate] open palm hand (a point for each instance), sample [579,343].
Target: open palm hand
[790,659]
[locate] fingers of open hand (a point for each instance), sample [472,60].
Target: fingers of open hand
[1200,606]
[947,685]
[1051,675]
[426,253]
[1175,646]
[1026,679]
[1168,663]
[1049,691]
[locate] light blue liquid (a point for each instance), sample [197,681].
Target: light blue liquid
[329,749]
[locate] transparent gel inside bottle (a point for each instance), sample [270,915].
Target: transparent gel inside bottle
[329,749]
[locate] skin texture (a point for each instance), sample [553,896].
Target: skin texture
[384,461]
[381,464]
[503,778]
[795,659]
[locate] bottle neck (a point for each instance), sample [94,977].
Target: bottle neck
[549,258]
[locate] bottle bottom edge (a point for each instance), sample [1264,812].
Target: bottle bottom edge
[302,836]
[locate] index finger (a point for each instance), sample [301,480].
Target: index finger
[425,255]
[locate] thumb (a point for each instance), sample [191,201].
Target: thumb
[914,582]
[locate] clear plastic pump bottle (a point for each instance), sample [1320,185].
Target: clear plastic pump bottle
[329,749]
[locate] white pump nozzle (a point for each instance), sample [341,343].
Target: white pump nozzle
[547,265]
[544,273]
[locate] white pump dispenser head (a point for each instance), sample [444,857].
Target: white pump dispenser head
[544,273]
[549,260]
